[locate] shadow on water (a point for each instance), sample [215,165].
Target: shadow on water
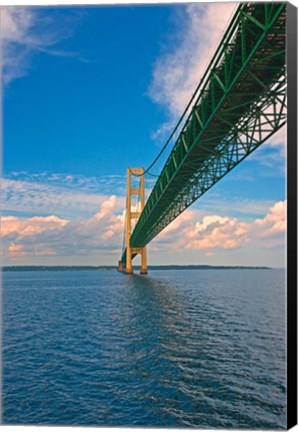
[154,328]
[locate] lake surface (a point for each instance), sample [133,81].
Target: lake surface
[181,348]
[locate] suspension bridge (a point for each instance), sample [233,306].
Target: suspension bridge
[238,104]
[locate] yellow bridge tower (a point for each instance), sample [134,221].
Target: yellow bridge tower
[130,215]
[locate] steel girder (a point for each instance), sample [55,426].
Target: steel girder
[241,103]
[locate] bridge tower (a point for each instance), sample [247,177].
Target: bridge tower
[131,252]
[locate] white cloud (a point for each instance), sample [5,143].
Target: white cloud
[190,231]
[44,236]
[15,23]
[98,239]
[194,231]
[274,223]
[67,198]
[177,72]
[13,226]
[67,195]
[179,69]
[26,31]
[103,185]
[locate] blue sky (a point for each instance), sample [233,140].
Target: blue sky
[88,91]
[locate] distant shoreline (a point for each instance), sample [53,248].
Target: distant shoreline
[114,268]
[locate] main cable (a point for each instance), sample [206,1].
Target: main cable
[170,137]
[187,107]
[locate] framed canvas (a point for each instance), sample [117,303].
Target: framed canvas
[149,215]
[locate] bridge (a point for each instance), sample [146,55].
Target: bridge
[239,103]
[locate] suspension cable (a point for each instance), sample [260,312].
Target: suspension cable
[146,171]
[153,175]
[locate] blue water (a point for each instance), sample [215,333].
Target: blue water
[198,348]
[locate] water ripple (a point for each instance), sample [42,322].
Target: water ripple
[182,348]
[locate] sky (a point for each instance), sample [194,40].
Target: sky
[89,91]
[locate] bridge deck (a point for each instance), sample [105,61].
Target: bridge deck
[241,102]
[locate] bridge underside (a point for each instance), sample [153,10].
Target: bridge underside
[241,103]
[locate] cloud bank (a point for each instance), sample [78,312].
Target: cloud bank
[99,238]
[216,232]
[40,237]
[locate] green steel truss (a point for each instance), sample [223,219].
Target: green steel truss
[241,102]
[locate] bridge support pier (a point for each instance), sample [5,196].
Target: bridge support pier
[132,252]
[129,269]
[144,269]
[121,266]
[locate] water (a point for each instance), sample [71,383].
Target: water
[197,348]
